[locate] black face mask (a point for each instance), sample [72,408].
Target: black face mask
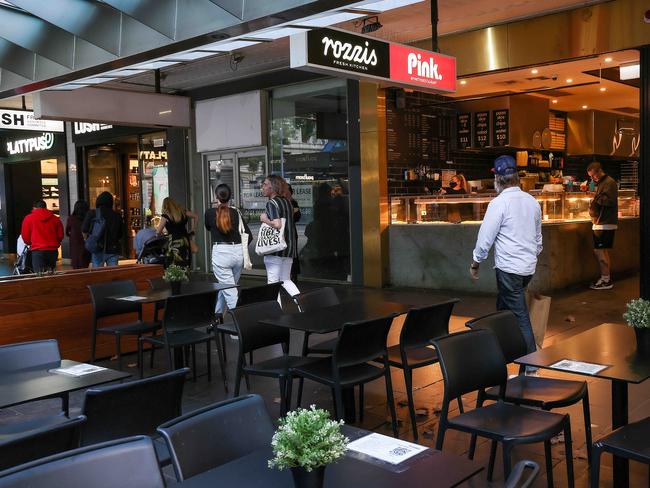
[453,184]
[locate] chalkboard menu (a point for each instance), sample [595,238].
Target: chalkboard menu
[464,131]
[500,127]
[481,129]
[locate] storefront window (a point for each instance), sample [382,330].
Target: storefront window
[155,181]
[308,146]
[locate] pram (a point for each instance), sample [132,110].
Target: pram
[23,264]
[154,251]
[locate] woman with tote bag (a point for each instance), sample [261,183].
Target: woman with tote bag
[230,237]
[277,240]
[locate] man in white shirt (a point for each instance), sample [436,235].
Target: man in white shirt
[513,224]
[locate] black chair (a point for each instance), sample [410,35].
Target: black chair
[104,306]
[415,350]
[516,478]
[39,443]
[314,300]
[127,463]
[158,307]
[349,366]
[26,355]
[630,442]
[184,315]
[533,391]
[473,360]
[133,408]
[254,336]
[217,434]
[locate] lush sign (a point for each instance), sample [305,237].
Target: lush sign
[24,120]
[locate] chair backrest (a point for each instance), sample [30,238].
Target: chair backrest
[39,443]
[127,463]
[217,434]
[362,341]
[103,306]
[256,294]
[183,312]
[424,324]
[133,408]
[252,334]
[505,327]
[315,299]
[24,355]
[470,361]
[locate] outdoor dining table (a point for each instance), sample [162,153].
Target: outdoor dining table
[611,345]
[162,294]
[43,382]
[430,469]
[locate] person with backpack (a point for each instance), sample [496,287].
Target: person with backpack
[102,229]
[42,231]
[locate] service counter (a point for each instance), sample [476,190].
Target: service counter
[58,306]
[431,240]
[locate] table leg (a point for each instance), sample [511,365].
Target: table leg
[350,414]
[619,419]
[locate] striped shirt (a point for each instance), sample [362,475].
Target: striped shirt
[281,208]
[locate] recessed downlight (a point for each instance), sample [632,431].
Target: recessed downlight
[463,82]
[602,88]
[608,60]
[534,71]
[585,107]
[554,101]
[569,80]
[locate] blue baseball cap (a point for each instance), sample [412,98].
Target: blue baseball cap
[505,165]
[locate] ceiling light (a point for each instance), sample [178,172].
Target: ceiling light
[187,56]
[569,80]
[608,60]
[66,87]
[91,81]
[553,101]
[155,65]
[463,82]
[602,88]
[584,107]
[126,72]
[630,71]
[276,33]
[534,71]
[371,24]
[227,46]
[326,20]
[383,5]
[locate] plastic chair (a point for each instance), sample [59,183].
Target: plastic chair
[533,391]
[516,478]
[349,366]
[629,442]
[217,434]
[127,463]
[34,354]
[415,350]
[39,443]
[133,408]
[184,314]
[473,361]
[254,336]
[314,300]
[103,307]
[158,284]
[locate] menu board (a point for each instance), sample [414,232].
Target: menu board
[464,131]
[500,127]
[481,129]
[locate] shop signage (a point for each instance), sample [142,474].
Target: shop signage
[481,129]
[304,177]
[25,146]
[153,155]
[500,127]
[464,131]
[32,144]
[23,120]
[87,127]
[362,57]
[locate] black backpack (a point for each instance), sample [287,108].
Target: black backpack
[96,240]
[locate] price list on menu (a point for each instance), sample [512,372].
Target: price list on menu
[464,131]
[481,129]
[500,127]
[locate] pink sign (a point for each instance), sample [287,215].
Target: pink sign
[424,68]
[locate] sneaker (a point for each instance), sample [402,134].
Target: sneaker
[602,285]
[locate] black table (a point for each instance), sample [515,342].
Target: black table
[39,383]
[430,469]
[190,288]
[608,344]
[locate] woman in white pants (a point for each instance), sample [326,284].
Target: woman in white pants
[278,265]
[227,251]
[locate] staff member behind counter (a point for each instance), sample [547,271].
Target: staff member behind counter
[457,186]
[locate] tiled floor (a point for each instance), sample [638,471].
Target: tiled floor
[572,311]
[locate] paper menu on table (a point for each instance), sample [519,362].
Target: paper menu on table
[578,366]
[78,369]
[386,448]
[132,298]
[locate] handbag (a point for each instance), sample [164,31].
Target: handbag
[244,242]
[271,240]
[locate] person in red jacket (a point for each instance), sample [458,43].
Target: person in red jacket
[43,232]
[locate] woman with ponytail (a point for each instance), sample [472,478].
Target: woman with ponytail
[227,253]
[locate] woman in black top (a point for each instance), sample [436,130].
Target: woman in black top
[175,219]
[108,243]
[278,265]
[227,250]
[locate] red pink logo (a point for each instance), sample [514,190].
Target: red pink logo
[425,68]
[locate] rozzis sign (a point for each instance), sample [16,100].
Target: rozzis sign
[362,57]
[24,120]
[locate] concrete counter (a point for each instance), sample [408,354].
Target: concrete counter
[438,256]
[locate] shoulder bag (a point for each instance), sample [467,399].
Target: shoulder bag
[271,240]
[244,242]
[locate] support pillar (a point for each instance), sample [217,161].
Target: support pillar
[644,173]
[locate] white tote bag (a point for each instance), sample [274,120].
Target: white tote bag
[244,242]
[270,239]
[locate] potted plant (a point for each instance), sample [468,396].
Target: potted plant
[175,275]
[638,316]
[306,441]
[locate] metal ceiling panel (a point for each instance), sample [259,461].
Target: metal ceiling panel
[44,68]
[160,15]
[197,17]
[93,21]
[9,80]
[137,38]
[233,7]
[16,59]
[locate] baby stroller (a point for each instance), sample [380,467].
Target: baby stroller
[155,251]
[23,264]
